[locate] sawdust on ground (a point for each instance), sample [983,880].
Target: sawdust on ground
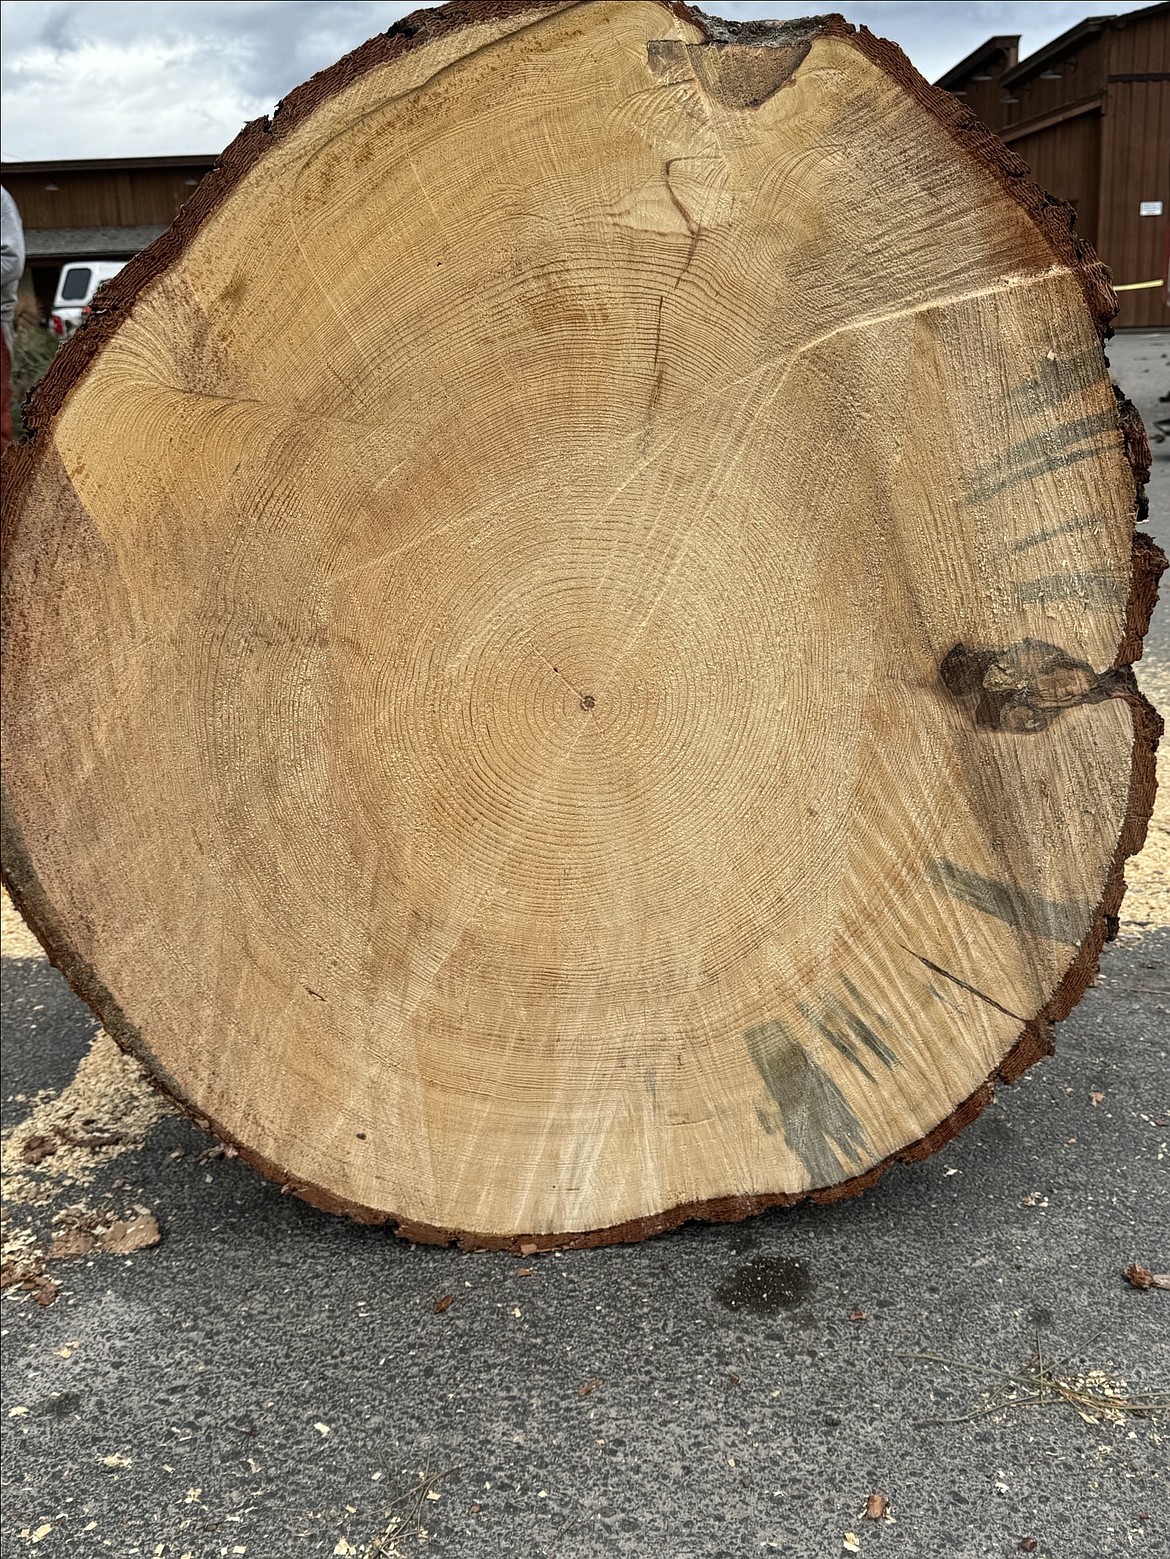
[107,1110]
[1146,906]
[16,940]
[55,1153]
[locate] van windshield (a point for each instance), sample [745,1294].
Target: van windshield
[75,284]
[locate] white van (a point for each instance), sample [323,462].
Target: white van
[78,282]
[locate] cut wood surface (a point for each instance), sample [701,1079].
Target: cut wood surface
[568,627]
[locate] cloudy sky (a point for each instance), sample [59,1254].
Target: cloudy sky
[120,78]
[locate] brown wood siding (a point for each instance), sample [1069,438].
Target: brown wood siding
[1136,146]
[1079,77]
[982,98]
[1141,46]
[105,198]
[1137,143]
[1066,160]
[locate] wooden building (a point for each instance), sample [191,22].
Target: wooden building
[1090,114]
[105,208]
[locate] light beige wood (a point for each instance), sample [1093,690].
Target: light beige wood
[483,720]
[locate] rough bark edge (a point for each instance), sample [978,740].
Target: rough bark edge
[1056,221]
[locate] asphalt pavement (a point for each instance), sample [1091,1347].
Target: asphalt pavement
[272,1381]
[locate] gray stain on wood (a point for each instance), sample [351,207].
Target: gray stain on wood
[1040,453]
[1095,587]
[1060,920]
[815,1116]
[844,1028]
[1079,522]
[1057,379]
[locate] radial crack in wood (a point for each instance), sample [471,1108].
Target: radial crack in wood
[567,627]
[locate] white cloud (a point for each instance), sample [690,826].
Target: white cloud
[121,78]
[114,79]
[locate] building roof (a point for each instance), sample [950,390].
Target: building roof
[1002,43]
[87,243]
[1075,38]
[109,164]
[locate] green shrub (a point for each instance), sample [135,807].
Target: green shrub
[33,349]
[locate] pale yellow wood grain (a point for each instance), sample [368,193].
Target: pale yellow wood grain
[527,523]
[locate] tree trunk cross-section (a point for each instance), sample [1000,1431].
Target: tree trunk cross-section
[568,627]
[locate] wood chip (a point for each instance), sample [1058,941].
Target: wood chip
[1141,1277]
[37,1148]
[442,1305]
[15,1272]
[131,1234]
[73,1242]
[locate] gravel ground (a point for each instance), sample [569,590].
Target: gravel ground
[270,1381]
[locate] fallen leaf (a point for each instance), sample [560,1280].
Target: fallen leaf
[1096,1098]
[876,1506]
[850,1543]
[443,1304]
[41,1532]
[343,1547]
[117,1461]
[589,1387]
[131,1234]
[1028,1545]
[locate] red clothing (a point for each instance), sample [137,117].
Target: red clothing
[5,397]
